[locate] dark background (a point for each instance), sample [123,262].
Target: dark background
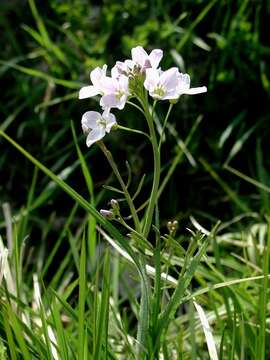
[47,51]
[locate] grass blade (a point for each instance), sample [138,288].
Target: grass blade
[207,332]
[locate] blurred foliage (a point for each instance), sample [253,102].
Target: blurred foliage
[48,50]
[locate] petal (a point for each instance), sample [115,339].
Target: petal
[139,55]
[155,57]
[185,78]
[97,74]
[88,91]
[183,83]
[104,69]
[169,78]
[89,120]
[130,64]
[172,94]
[110,120]
[120,68]
[122,102]
[108,85]
[108,101]
[115,72]
[123,83]
[95,135]
[197,90]
[151,79]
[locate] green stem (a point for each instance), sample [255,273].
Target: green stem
[164,126]
[133,131]
[143,241]
[136,106]
[114,167]
[154,192]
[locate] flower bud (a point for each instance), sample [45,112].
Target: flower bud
[107,214]
[172,226]
[115,205]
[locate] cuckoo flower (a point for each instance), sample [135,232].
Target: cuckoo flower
[140,61]
[144,61]
[115,92]
[96,76]
[162,85]
[96,125]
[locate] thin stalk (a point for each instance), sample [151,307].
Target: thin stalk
[156,178]
[114,167]
[136,106]
[133,131]
[157,288]
[132,231]
[153,108]
[164,126]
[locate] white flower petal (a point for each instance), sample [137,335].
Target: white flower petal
[155,57]
[109,85]
[115,72]
[123,83]
[88,91]
[172,94]
[139,55]
[108,101]
[185,79]
[95,135]
[130,64]
[169,78]
[119,69]
[89,120]
[151,79]
[121,102]
[197,90]
[97,74]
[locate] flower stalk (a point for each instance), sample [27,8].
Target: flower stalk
[114,167]
[156,177]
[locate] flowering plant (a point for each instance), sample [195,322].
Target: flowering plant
[133,82]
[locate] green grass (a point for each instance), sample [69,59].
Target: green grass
[71,288]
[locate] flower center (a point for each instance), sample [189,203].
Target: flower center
[102,122]
[159,91]
[119,94]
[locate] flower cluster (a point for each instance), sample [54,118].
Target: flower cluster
[116,89]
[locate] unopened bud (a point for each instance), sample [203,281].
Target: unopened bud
[114,204]
[107,214]
[172,226]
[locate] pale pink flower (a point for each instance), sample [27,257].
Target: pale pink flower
[143,60]
[96,125]
[169,84]
[115,92]
[162,85]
